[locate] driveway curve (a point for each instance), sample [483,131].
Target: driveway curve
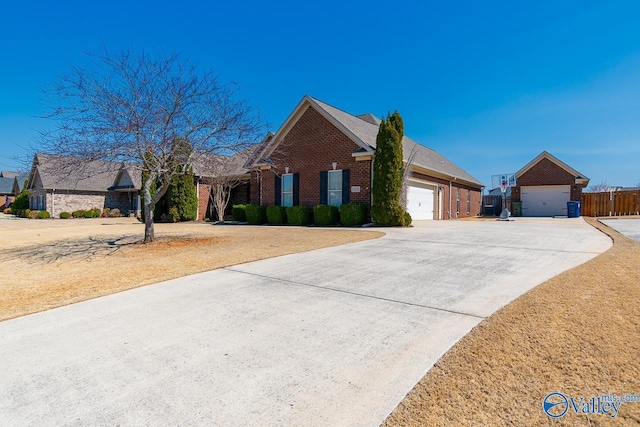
[335,336]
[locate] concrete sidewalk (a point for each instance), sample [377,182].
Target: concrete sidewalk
[334,337]
[628,227]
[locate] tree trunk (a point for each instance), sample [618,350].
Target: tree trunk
[149,235]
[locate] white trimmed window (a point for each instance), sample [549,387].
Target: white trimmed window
[287,189]
[335,188]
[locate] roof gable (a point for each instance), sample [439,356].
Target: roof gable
[362,130]
[580,177]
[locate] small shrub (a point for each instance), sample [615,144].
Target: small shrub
[276,215]
[7,211]
[105,213]
[407,219]
[79,213]
[173,215]
[256,214]
[33,214]
[43,215]
[26,213]
[88,214]
[299,215]
[21,201]
[239,213]
[326,215]
[114,213]
[65,215]
[353,214]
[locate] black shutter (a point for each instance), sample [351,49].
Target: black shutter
[278,191]
[296,189]
[346,189]
[324,182]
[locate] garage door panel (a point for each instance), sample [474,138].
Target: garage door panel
[545,200]
[420,202]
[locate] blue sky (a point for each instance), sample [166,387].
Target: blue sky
[488,84]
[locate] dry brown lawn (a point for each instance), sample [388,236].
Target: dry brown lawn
[51,263]
[578,334]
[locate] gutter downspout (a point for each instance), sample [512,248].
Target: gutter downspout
[53,203]
[450,189]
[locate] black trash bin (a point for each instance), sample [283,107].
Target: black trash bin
[573,209]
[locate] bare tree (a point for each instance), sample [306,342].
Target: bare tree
[603,186]
[223,174]
[156,113]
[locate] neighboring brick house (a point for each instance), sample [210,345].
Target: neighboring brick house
[546,184]
[323,155]
[61,184]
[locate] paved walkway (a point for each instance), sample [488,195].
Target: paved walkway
[335,336]
[628,227]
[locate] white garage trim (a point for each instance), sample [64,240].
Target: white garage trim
[422,200]
[545,200]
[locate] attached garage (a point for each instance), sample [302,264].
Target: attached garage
[420,201]
[545,200]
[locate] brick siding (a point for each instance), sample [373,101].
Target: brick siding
[476,197]
[309,148]
[546,172]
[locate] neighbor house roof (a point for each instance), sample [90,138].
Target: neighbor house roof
[6,186]
[54,172]
[8,174]
[363,130]
[580,177]
[208,165]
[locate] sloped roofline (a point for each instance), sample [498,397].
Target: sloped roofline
[580,177]
[293,118]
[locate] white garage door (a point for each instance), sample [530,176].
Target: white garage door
[545,200]
[420,202]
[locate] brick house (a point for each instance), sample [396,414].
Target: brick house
[61,184]
[546,184]
[323,155]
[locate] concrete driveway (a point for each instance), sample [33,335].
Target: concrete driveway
[628,227]
[335,336]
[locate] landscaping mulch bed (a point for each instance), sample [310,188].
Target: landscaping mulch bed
[578,334]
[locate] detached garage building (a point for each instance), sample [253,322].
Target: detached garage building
[546,184]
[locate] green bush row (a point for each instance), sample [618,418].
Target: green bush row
[32,214]
[349,214]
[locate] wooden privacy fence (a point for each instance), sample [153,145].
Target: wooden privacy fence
[611,203]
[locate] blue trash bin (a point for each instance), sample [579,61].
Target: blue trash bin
[573,209]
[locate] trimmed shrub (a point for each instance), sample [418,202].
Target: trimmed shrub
[79,213]
[326,215]
[88,214]
[32,214]
[239,213]
[114,213]
[256,214]
[26,213]
[353,214]
[21,201]
[65,215]
[276,215]
[299,215]
[105,213]
[43,215]
[407,219]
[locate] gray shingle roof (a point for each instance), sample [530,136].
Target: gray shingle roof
[66,173]
[20,179]
[8,174]
[424,157]
[6,186]
[207,165]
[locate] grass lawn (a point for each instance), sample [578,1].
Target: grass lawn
[578,334]
[51,263]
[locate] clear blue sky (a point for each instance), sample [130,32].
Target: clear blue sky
[488,84]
